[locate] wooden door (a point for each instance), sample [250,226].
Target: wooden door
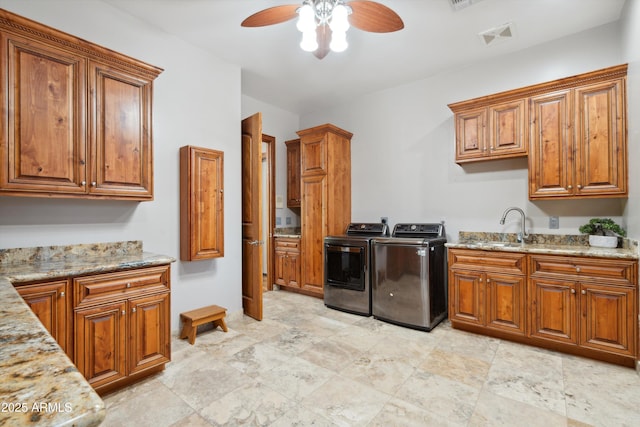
[149,331]
[44,118]
[607,318]
[505,303]
[100,347]
[252,216]
[293,265]
[508,129]
[120,132]
[466,296]
[471,135]
[551,167]
[281,266]
[553,312]
[50,303]
[601,165]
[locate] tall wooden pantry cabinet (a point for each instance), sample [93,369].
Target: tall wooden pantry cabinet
[325,169]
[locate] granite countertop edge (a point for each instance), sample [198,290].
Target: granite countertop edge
[40,384]
[586,251]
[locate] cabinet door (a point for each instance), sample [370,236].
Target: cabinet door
[281,267]
[50,302]
[293,173]
[608,318]
[120,134]
[201,203]
[553,314]
[471,135]
[293,261]
[150,337]
[314,220]
[507,129]
[505,303]
[313,155]
[601,158]
[466,296]
[43,120]
[551,168]
[101,336]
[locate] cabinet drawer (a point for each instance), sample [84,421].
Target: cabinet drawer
[479,260]
[616,271]
[111,286]
[284,244]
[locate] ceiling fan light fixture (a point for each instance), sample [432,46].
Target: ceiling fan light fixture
[309,41]
[339,19]
[306,18]
[338,41]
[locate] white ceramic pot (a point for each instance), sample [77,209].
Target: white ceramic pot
[603,241]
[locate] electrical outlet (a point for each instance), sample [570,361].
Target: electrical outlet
[554,222]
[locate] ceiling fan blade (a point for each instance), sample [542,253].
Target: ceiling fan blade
[272,15]
[374,17]
[324,38]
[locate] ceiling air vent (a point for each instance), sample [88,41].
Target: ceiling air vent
[461,4]
[496,34]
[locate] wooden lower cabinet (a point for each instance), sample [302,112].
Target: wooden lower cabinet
[480,295]
[579,305]
[115,327]
[589,305]
[122,325]
[287,262]
[50,302]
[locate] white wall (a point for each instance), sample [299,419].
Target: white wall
[282,125]
[403,145]
[196,102]
[631,54]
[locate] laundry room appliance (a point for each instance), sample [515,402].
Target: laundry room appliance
[409,280]
[347,262]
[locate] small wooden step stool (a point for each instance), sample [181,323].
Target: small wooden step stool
[194,318]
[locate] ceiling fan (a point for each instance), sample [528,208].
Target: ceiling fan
[324,23]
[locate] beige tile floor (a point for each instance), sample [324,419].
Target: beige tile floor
[305,364]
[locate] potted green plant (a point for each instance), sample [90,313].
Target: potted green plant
[603,232]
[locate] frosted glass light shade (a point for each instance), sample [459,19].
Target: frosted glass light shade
[306,19]
[339,19]
[309,42]
[338,41]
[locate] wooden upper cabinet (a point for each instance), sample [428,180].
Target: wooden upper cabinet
[201,203]
[601,148]
[293,173]
[76,118]
[491,132]
[578,135]
[550,165]
[122,160]
[471,138]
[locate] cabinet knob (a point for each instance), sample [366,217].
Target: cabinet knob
[93,183]
[579,186]
[573,291]
[124,312]
[128,285]
[583,292]
[83,183]
[133,310]
[569,187]
[221,190]
[577,269]
[62,294]
[481,280]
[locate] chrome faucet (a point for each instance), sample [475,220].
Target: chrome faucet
[522,235]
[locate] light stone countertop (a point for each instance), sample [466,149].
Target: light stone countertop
[39,385]
[573,245]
